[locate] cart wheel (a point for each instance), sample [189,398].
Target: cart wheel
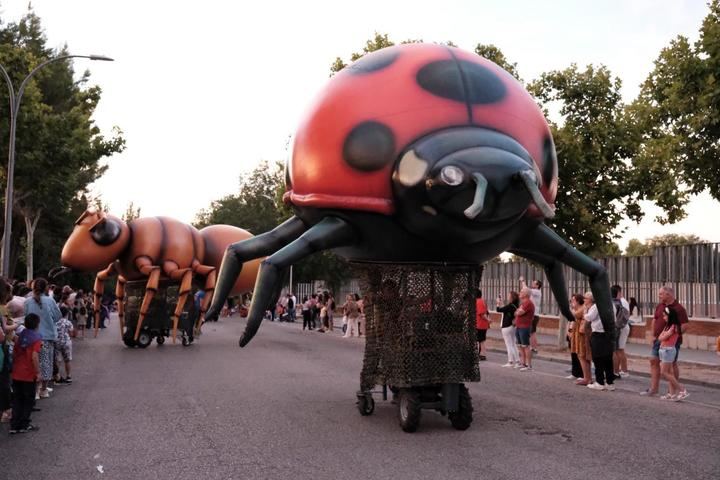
[366,405]
[160,339]
[409,410]
[144,339]
[185,341]
[129,342]
[462,419]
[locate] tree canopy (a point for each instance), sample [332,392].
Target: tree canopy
[59,149]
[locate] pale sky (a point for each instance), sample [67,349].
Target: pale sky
[205,90]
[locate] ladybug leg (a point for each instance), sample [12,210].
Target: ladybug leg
[210,274]
[543,242]
[250,249]
[185,277]
[556,278]
[120,294]
[331,232]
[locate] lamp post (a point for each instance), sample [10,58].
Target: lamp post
[14,110]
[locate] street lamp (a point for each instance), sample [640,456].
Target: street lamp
[14,110]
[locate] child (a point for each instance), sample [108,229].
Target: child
[668,353]
[26,370]
[63,347]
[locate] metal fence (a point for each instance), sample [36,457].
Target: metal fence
[692,270]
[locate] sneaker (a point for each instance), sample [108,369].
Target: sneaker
[624,374]
[62,381]
[610,387]
[37,396]
[13,431]
[509,364]
[571,377]
[596,386]
[68,379]
[526,368]
[648,393]
[517,365]
[44,394]
[32,428]
[668,396]
[683,395]
[534,350]
[49,389]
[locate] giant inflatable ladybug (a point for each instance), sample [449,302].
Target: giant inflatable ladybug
[417,153]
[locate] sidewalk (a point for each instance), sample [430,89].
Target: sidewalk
[697,367]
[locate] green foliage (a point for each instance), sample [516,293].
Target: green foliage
[379,40]
[678,111]
[494,54]
[636,247]
[131,212]
[58,148]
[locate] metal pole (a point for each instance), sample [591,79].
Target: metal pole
[14,111]
[290,289]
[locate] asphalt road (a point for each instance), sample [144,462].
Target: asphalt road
[284,407]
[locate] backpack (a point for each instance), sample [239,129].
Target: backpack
[622,315]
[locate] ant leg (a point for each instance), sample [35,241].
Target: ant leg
[331,232]
[250,249]
[120,294]
[545,242]
[153,273]
[185,277]
[98,290]
[210,274]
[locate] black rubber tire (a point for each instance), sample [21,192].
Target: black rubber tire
[462,419]
[409,411]
[144,339]
[129,342]
[160,339]
[366,405]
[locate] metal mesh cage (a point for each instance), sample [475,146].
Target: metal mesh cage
[420,324]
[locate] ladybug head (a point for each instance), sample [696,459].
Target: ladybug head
[468,183]
[96,241]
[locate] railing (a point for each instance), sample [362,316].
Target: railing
[692,270]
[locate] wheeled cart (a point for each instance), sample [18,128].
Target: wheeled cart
[420,340]
[158,321]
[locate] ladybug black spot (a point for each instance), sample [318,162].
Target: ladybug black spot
[369,146]
[373,62]
[461,80]
[550,164]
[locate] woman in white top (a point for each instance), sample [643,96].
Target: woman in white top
[635,317]
[601,345]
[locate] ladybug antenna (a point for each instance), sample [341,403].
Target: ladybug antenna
[529,179]
[479,201]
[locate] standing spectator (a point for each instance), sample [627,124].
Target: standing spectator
[351,309]
[306,313]
[601,345]
[622,330]
[536,298]
[635,316]
[508,327]
[481,323]
[46,309]
[313,310]
[579,344]
[330,303]
[26,369]
[291,305]
[523,324]
[666,295]
[324,327]
[63,348]
[7,334]
[668,352]
[361,315]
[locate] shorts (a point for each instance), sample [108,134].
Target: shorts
[63,352]
[536,320]
[655,351]
[668,354]
[623,337]
[47,358]
[522,336]
[481,334]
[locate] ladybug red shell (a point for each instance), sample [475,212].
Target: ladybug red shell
[389,99]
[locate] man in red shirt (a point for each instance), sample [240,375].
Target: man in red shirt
[482,322]
[666,295]
[25,371]
[523,324]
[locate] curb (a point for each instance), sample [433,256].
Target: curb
[689,381]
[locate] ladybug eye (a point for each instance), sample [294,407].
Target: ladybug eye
[452,175]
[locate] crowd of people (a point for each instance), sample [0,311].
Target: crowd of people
[591,346]
[38,323]
[319,310]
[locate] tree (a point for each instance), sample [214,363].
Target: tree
[678,110]
[494,54]
[379,40]
[636,248]
[131,213]
[59,148]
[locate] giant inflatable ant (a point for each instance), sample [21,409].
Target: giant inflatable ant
[149,248]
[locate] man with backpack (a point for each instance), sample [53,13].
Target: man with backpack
[291,303]
[622,331]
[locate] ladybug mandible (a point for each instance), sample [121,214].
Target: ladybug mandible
[417,153]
